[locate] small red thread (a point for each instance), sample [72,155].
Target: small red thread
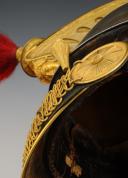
[8,60]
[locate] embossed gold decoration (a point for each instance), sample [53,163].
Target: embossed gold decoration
[37,58]
[55,96]
[100,63]
[42,67]
[60,51]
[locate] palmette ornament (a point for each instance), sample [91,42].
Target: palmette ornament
[80,129]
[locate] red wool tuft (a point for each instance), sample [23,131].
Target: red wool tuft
[8,59]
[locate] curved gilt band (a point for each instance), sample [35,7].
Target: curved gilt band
[38,57]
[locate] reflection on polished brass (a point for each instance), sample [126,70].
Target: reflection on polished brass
[37,58]
[100,63]
[42,67]
[60,51]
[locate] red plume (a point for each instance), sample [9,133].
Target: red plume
[8,59]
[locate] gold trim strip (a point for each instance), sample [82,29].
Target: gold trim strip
[74,32]
[51,101]
[47,127]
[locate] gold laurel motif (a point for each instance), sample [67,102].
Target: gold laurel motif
[100,63]
[52,100]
